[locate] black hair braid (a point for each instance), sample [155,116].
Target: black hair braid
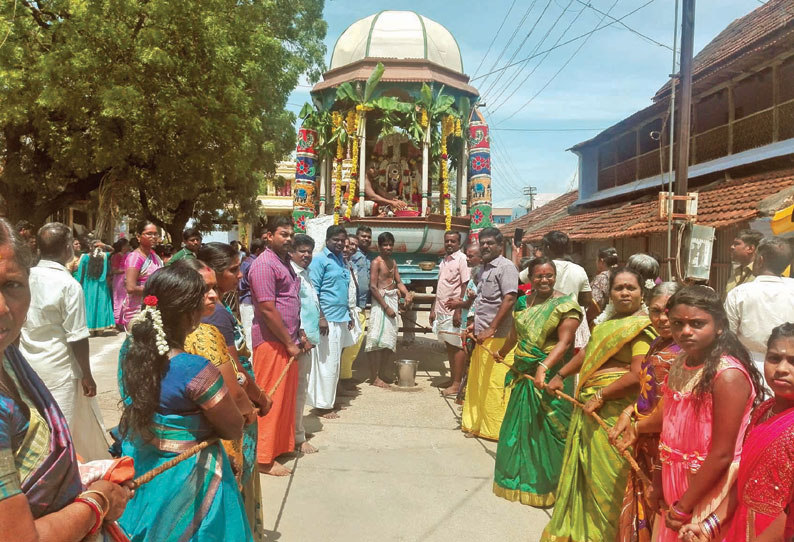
[180,292]
[96,263]
[143,369]
[727,343]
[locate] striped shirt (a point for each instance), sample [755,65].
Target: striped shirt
[273,279]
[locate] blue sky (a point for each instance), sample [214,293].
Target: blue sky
[614,74]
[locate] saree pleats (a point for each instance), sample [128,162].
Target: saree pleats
[535,425]
[197,500]
[594,474]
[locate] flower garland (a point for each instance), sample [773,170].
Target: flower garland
[337,122]
[448,126]
[150,309]
[353,119]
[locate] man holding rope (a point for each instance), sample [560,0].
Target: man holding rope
[275,291]
[486,397]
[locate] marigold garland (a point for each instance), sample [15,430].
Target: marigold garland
[448,126]
[337,122]
[424,119]
[353,119]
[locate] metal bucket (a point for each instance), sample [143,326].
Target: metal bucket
[406,372]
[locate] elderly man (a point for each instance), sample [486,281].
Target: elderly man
[755,308]
[486,397]
[453,276]
[331,279]
[54,340]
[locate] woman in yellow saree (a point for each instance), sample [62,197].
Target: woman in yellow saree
[593,477]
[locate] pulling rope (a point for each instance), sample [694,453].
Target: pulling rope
[171,463]
[626,455]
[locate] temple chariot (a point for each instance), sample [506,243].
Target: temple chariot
[393,139]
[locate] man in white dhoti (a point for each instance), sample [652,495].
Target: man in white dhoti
[384,320]
[331,279]
[453,277]
[54,341]
[302,248]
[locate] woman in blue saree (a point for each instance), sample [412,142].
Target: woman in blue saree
[172,402]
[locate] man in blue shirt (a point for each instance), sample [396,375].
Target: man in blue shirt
[301,256]
[331,280]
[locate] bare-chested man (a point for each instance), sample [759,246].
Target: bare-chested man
[386,288]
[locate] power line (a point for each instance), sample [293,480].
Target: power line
[509,41]
[570,58]
[563,44]
[493,40]
[548,129]
[520,85]
[627,27]
[521,45]
[535,50]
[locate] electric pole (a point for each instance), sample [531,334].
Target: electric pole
[687,44]
[530,192]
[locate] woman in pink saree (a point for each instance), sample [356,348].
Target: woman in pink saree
[140,264]
[758,507]
[118,265]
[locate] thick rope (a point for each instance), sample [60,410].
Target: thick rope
[626,454]
[171,463]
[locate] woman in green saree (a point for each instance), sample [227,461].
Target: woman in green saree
[594,474]
[532,437]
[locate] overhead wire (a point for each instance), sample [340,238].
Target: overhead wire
[509,41]
[521,84]
[624,25]
[515,76]
[520,46]
[563,44]
[493,40]
[553,77]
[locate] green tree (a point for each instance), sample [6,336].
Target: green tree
[179,106]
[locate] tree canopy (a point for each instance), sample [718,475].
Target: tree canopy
[180,107]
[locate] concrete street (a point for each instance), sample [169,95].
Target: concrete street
[394,467]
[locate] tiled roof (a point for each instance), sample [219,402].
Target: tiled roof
[748,33]
[720,204]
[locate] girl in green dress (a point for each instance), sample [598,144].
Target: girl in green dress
[532,437]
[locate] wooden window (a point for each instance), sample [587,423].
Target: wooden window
[785,80]
[711,112]
[753,94]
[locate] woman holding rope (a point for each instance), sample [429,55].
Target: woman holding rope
[639,508]
[172,402]
[41,495]
[594,474]
[532,437]
[706,404]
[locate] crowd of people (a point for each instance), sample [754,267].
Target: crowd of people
[634,407]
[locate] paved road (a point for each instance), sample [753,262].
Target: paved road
[394,467]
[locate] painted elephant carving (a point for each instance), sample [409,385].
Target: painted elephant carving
[477,190]
[300,195]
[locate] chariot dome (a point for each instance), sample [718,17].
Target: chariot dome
[397,35]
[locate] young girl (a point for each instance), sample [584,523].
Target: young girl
[757,508]
[707,399]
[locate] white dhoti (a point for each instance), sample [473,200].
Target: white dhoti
[446,331]
[83,418]
[382,330]
[324,373]
[305,362]
[247,320]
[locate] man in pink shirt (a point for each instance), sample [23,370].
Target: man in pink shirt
[453,276]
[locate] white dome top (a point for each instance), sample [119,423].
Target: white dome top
[397,34]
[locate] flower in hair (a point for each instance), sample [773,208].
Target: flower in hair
[153,313]
[150,301]
[649,284]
